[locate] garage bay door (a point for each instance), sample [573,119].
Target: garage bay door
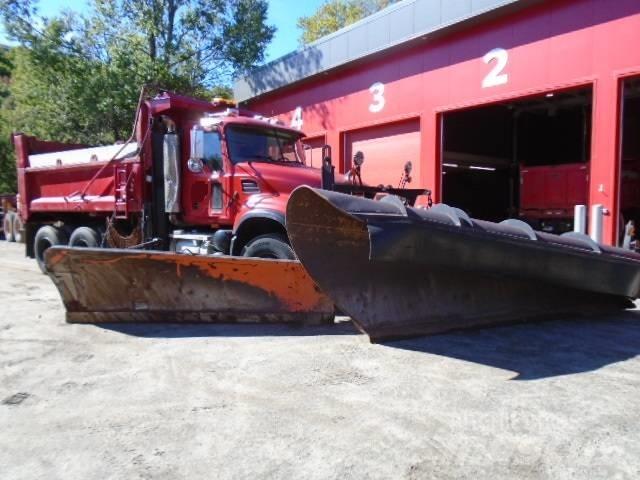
[386,149]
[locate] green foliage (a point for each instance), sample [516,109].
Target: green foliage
[77,77]
[7,167]
[336,14]
[7,162]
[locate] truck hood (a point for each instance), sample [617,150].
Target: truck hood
[279,178]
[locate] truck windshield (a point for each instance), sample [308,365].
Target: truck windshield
[251,144]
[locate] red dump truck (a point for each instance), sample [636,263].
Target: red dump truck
[196,177]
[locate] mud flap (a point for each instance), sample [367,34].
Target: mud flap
[101,285]
[399,275]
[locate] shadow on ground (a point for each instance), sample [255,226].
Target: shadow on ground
[533,350]
[542,349]
[193,330]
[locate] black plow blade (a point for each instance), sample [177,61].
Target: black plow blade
[402,272]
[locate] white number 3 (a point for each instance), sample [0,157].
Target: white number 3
[377,90]
[495,76]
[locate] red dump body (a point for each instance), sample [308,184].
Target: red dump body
[57,188]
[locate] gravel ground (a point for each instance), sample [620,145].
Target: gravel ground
[558,399]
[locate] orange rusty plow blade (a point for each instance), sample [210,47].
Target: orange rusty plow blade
[98,285]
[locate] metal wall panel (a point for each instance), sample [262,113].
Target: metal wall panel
[339,48]
[427,15]
[398,23]
[377,32]
[453,10]
[401,25]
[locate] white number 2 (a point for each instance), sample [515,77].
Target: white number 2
[296,120]
[377,90]
[495,76]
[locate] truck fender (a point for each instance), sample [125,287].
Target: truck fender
[254,223]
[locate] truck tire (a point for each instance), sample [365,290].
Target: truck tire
[7,226]
[18,228]
[84,237]
[46,237]
[271,245]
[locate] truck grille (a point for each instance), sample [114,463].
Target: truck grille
[249,186]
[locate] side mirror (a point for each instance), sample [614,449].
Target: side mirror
[358,158]
[206,148]
[197,143]
[407,168]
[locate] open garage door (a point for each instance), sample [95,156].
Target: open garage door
[526,158]
[386,149]
[630,164]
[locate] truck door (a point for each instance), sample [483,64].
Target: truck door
[206,192]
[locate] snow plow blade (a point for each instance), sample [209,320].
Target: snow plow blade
[101,285]
[401,272]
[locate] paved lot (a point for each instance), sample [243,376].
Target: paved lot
[554,400]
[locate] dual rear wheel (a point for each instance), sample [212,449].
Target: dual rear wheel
[49,236]
[12,227]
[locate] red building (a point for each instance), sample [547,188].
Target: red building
[505,107]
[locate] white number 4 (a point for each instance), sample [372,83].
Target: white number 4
[296,120]
[495,76]
[377,90]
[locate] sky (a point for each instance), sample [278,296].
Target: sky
[282,13]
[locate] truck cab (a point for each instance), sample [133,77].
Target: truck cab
[196,177]
[228,192]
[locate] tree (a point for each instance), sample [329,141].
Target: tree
[77,77]
[202,42]
[7,163]
[336,14]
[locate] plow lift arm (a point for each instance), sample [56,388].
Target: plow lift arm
[357,188]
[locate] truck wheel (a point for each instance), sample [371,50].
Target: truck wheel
[7,226]
[85,237]
[18,228]
[46,237]
[271,245]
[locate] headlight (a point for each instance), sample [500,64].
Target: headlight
[195,165]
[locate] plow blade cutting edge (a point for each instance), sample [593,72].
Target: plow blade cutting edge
[99,285]
[400,272]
